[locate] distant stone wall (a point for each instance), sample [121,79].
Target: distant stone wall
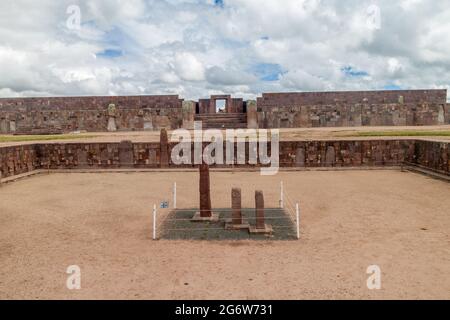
[274,110]
[92,114]
[353,109]
[352,97]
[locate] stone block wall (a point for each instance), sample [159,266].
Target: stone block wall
[67,114]
[274,110]
[302,154]
[98,155]
[18,160]
[352,109]
[433,155]
[345,153]
[232,105]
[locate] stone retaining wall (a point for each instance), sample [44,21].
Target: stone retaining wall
[18,159]
[433,155]
[302,154]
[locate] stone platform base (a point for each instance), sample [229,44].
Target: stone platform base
[197,218]
[230,226]
[267,230]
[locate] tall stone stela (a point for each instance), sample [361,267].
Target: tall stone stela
[259,201]
[252,115]
[236,206]
[164,149]
[112,127]
[188,114]
[205,192]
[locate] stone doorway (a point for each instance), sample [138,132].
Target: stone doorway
[221,105]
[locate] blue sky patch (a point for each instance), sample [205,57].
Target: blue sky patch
[349,71]
[110,53]
[219,3]
[117,38]
[268,71]
[392,87]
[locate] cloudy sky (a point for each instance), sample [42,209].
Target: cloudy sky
[195,48]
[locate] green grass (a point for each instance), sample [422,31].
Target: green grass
[406,133]
[9,138]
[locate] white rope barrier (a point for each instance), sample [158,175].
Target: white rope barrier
[225,209]
[297,213]
[289,208]
[218,229]
[154,222]
[287,212]
[174,195]
[281,195]
[290,203]
[226,220]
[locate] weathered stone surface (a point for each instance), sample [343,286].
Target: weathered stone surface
[4,127]
[205,192]
[82,157]
[441,115]
[236,206]
[188,114]
[112,127]
[252,115]
[111,110]
[18,159]
[330,158]
[259,201]
[152,159]
[433,155]
[125,154]
[164,148]
[300,157]
[112,124]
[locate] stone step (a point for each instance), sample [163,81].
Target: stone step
[221,116]
[223,120]
[220,120]
[226,126]
[243,119]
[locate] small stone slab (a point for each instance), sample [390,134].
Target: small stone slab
[267,230]
[229,225]
[198,218]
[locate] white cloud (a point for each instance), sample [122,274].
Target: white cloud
[188,67]
[194,48]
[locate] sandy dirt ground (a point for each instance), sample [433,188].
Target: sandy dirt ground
[297,134]
[102,222]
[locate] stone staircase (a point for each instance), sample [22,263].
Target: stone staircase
[223,120]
